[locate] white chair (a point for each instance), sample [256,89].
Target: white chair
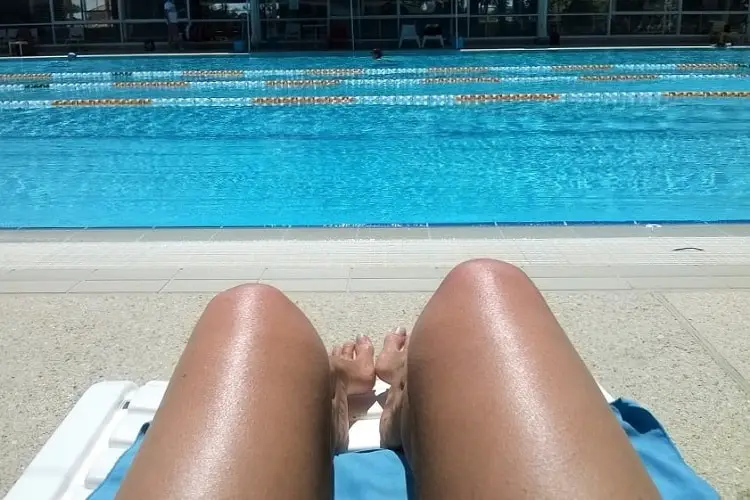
[293,31]
[433,32]
[15,43]
[717,27]
[75,34]
[409,33]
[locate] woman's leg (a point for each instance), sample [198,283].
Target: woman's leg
[496,401]
[247,413]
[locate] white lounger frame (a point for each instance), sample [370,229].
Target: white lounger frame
[105,422]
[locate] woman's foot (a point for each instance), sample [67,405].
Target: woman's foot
[352,375]
[354,364]
[391,368]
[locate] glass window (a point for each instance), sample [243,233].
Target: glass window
[142,32]
[375,7]
[708,5]
[92,33]
[463,27]
[24,11]
[68,10]
[578,6]
[494,26]
[311,8]
[218,10]
[702,24]
[581,25]
[425,7]
[294,9]
[502,7]
[295,31]
[644,24]
[376,29]
[340,8]
[446,26]
[147,9]
[340,36]
[647,5]
[216,31]
[85,10]
[34,35]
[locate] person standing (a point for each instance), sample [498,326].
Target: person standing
[173,30]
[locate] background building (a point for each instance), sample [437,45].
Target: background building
[330,23]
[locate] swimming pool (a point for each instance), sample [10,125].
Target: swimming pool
[319,139]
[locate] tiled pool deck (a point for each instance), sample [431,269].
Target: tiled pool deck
[660,314]
[371,259]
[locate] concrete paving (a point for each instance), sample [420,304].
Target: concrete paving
[682,354]
[721,319]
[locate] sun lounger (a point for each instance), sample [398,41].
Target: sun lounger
[409,33]
[105,423]
[433,32]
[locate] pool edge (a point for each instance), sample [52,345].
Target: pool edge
[377,232]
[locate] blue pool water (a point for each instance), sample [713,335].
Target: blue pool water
[204,153]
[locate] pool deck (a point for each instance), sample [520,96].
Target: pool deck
[660,314]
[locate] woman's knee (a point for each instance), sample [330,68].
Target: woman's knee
[253,293]
[472,290]
[264,311]
[485,273]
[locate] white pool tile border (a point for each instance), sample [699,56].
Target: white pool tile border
[409,252]
[378,265]
[488,231]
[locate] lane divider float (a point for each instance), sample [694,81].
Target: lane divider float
[390,100]
[467,79]
[709,93]
[255,73]
[25,76]
[481,98]
[366,83]
[618,78]
[335,71]
[202,73]
[178,84]
[459,69]
[694,66]
[302,83]
[584,67]
[100,102]
[302,100]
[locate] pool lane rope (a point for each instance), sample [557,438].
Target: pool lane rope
[392,100]
[363,82]
[353,72]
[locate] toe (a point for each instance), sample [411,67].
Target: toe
[347,351]
[395,340]
[364,347]
[336,351]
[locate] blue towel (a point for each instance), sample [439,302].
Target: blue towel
[384,474]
